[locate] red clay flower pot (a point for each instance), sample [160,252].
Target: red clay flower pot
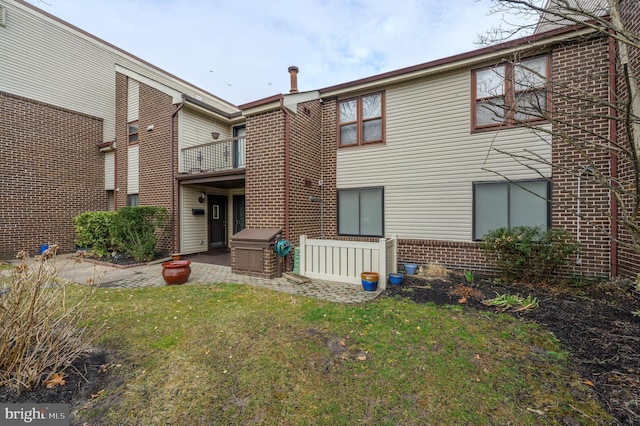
[176,271]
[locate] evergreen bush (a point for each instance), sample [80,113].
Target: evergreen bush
[529,254]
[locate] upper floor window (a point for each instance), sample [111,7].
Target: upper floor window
[361,120]
[132,131]
[510,93]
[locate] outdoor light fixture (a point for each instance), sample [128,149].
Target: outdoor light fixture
[215,135]
[202,197]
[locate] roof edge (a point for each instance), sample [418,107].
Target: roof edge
[112,46]
[523,41]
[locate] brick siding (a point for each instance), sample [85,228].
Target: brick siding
[51,171]
[628,257]
[305,171]
[155,153]
[265,171]
[155,108]
[582,66]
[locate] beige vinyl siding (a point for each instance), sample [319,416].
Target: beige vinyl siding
[45,60]
[109,171]
[193,229]
[431,158]
[133,100]
[133,170]
[195,128]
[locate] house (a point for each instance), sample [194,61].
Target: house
[87,126]
[413,153]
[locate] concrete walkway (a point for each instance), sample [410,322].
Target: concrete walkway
[69,268]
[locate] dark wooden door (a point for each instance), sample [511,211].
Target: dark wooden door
[217,221]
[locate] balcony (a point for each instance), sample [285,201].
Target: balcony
[216,156]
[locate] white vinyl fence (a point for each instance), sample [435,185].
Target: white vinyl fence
[344,261]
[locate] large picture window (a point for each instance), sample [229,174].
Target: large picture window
[510,93]
[361,120]
[509,204]
[361,212]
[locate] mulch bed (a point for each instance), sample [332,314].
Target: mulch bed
[121,261]
[594,323]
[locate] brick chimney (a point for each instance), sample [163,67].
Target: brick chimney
[293,72]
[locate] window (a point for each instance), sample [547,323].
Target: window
[510,93]
[360,120]
[132,131]
[111,200]
[509,204]
[132,200]
[360,212]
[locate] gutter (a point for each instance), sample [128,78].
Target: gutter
[173,180]
[286,168]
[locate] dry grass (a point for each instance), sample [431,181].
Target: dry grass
[436,271]
[239,355]
[39,337]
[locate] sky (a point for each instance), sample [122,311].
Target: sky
[240,50]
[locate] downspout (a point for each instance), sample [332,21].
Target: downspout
[322,168]
[286,173]
[613,160]
[116,188]
[173,174]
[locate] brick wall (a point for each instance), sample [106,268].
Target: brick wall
[578,67]
[305,171]
[121,141]
[454,255]
[155,108]
[264,179]
[155,154]
[628,257]
[51,171]
[329,161]
[265,171]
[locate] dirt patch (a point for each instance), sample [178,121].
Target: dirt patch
[339,348]
[595,324]
[86,380]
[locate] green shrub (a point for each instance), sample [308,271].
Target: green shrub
[94,231]
[529,254]
[136,230]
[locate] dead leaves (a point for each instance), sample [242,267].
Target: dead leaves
[56,379]
[97,394]
[106,367]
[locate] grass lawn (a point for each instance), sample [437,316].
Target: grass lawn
[234,354]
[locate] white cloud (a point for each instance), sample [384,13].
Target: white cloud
[240,50]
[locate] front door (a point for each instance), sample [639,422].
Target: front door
[238,213]
[217,221]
